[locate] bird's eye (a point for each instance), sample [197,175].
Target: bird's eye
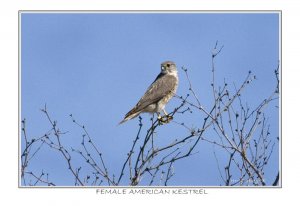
[168,65]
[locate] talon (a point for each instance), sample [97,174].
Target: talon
[161,121]
[164,119]
[169,117]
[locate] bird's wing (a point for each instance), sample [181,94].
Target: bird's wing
[162,85]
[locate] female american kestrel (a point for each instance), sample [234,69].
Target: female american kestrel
[158,94]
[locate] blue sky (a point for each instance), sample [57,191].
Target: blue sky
[97,66]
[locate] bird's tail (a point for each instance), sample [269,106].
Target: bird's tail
[130,115]
[124,120]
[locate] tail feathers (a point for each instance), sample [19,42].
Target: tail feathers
[124,120]
[130,115]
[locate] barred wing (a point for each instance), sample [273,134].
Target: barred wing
[162,86]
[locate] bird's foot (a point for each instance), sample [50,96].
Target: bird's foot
[160,119]
[164,119]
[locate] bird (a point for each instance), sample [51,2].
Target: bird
[158,94]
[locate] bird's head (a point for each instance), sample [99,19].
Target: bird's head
[168,67]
